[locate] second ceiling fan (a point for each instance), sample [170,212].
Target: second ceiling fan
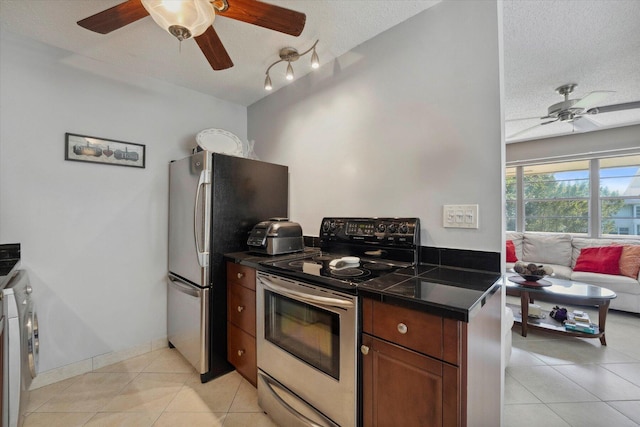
[192,19]
[576,110]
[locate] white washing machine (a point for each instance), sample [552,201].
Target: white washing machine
[21,348]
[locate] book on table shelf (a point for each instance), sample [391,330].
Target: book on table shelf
[579,321]
[589,329]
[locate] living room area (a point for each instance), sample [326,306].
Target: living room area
[554,219]
[572,213]
[589,243]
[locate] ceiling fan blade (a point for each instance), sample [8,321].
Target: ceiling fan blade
[583,124]
[514,135]
[522,118]
[614,107]
[550,121]
[115,17]
[592,99]
[266,15]
[213,49]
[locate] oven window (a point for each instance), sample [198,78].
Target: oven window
[309,333]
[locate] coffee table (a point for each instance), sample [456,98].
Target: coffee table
[561,291]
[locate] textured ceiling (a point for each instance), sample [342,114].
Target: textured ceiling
[143,48]
[595,44]
[547,43]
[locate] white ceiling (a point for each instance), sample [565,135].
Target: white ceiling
[143,48]
[547,43]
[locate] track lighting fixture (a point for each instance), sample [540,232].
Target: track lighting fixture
[289,55]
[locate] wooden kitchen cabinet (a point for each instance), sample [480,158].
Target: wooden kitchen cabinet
[241,320]
[420,369]
[405,379]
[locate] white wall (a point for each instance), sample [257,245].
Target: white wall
[601,142]
[94,237]
[404,123]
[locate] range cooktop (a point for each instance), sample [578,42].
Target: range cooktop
[355,250]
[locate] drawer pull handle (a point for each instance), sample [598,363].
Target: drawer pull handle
[402,328]
[364,349]
[240,308]
[240,275]
[240,353]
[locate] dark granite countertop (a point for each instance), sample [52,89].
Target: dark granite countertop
[455,293]
[9,262]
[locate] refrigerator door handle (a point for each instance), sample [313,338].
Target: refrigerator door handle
[203,255]
[183,287]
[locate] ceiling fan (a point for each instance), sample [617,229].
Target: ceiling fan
[186,19]
[575,111]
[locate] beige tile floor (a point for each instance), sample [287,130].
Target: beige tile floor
[555,381]
[156,389]
[550,381]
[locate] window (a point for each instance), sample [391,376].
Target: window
[556,197]
[619,194]
[596,197]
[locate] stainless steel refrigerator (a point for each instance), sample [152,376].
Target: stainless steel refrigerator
[214,202]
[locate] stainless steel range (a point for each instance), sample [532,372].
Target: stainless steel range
[307,312]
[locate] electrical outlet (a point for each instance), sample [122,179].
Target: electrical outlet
[460,216]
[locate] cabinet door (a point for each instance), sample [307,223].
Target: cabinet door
[405,388]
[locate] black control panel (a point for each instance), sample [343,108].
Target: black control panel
[377,231]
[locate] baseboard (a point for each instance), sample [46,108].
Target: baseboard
[93,363]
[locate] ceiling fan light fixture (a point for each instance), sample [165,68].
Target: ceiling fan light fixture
[290,54]
[183,19]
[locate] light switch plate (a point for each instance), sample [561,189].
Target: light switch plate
[460,216]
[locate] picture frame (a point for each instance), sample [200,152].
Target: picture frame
[91,149]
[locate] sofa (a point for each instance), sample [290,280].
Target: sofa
[585,260]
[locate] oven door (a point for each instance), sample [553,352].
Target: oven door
[306,342]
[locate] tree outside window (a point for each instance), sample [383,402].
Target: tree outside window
[557,196]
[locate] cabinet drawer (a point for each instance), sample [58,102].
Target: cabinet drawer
[241,308]
[242,275]
[419,331]
[241,353]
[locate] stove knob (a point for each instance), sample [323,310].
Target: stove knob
[404,228]
[393,228]
[325,226]
[381,227]
[332,225]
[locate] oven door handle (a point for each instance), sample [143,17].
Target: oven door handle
[302,296]
[270,383]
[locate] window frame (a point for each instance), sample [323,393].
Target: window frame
[595,220]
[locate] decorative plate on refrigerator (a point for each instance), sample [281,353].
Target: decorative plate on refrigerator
[220,141]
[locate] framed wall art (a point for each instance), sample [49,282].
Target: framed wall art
[83,148]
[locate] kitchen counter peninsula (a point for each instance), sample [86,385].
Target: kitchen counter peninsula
[454,293]
[430,343]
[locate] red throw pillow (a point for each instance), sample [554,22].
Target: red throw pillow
[511,252]
[605,260]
